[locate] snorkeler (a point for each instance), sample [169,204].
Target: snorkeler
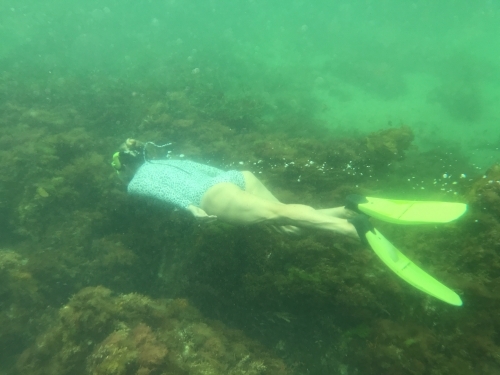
[213,194]
[240,198]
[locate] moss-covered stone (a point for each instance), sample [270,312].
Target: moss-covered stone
[99,333]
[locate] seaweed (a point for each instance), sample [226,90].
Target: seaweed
[73,241]
[20,301]
[99,333]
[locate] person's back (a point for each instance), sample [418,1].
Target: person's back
[210,193]
[179,182]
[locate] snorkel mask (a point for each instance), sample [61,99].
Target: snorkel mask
[115,163]
[129,156]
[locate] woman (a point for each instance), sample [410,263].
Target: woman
[210,193]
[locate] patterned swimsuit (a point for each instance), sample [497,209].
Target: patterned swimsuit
[179,182]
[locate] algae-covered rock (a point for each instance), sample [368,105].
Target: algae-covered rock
[19,303]
[485,192]
[389,144]
[322,301]
[99,333]
[126,349]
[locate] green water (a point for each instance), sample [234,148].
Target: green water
[348,64]
[294,91]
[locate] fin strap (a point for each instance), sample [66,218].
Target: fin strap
[363,225]
[353,200]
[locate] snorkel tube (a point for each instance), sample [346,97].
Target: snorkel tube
[128,156]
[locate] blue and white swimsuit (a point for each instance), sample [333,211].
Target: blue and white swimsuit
[179,182]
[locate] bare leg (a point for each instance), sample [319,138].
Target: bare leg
[254,186]
[340,212]
[231,204]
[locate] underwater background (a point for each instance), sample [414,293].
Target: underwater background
[320,99]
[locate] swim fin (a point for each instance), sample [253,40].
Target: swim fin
[409,271]
[406,212]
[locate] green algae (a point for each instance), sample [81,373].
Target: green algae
[321,301]
[20,300]
[99,333]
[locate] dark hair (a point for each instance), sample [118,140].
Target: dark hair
[131,159]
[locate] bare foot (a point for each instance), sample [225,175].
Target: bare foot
[340,212]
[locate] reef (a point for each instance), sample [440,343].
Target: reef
[92,281]
[99,333]
[389,144]
[19,301]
